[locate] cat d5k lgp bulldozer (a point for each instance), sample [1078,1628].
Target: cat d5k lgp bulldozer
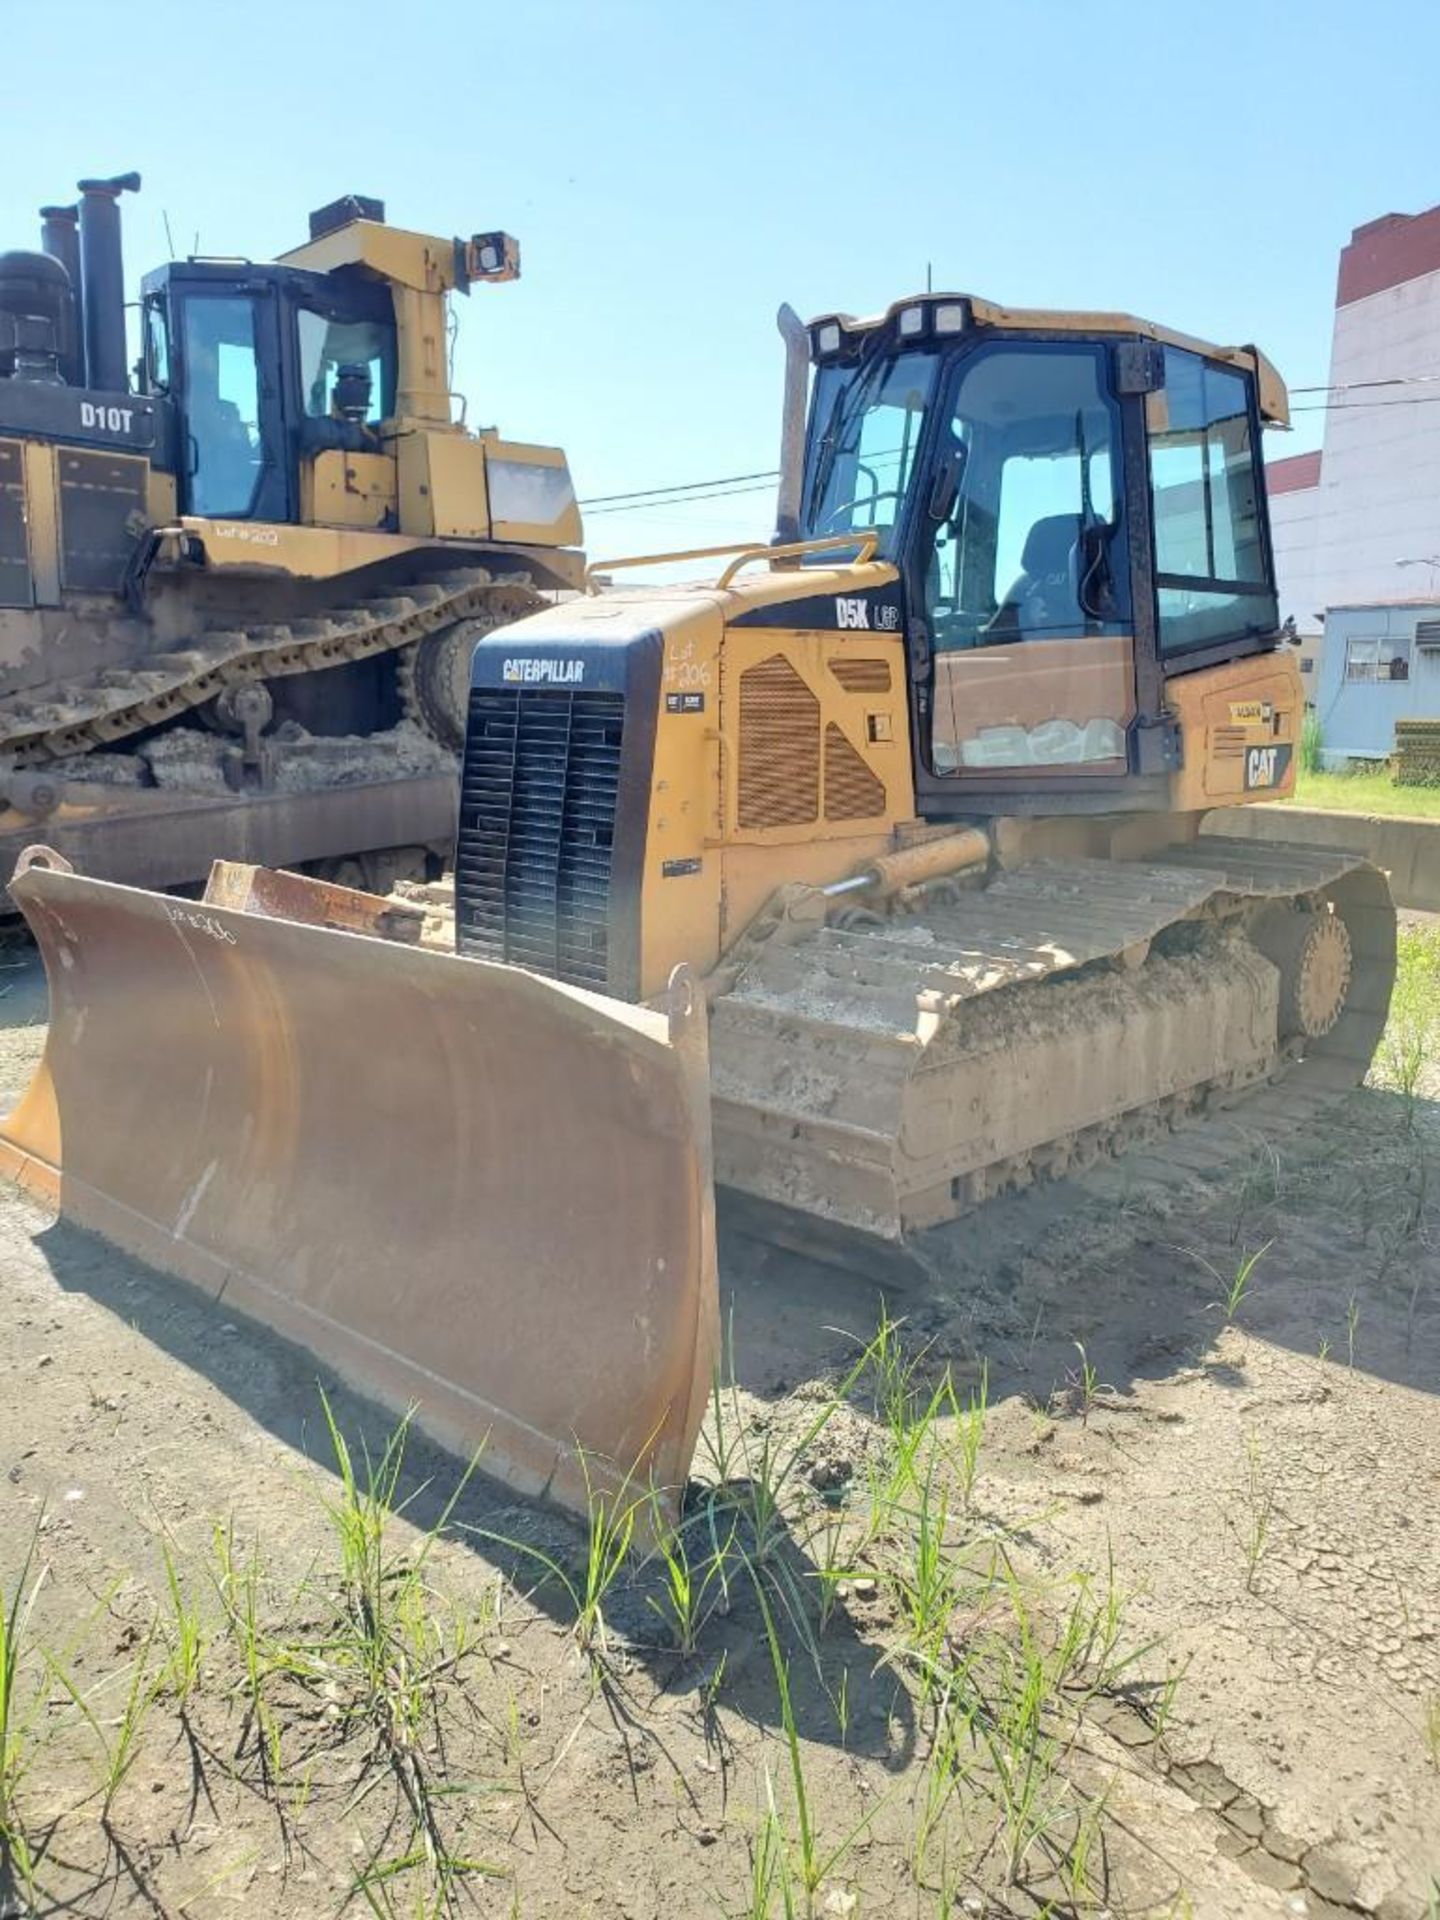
[238,595]
[917,791]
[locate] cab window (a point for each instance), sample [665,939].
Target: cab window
[1212,575]
[222,404]
[1028,548]
[867,426]
[328,344]
[157,348]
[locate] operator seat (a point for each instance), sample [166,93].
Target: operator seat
[1045,599]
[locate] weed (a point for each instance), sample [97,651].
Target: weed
[714,1681]
[1311,743]
[1352,1327]
[1430,1730]
[692,1588]
[1082,1863]
[926,1581]
[140,1697]
[1412,1033]
[832,1568]
[237,1586]
[753,1470]
[609,1532]
[970,1437]
[769,1863]
[376,1884]
[945,1770]
[187,1636]
[894,1373]
[1162,1701]
[913,1444]
[1253,1532]
[809,1864]
[1086,1383]
[1239,1287]
[16,1721]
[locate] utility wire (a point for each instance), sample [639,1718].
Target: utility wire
[680,486]
[728,486]
[688,500]
[1357,386]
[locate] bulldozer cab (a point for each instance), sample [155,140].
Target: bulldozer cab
[267,367]
[1075,504]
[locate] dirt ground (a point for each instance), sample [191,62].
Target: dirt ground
[1108,1582]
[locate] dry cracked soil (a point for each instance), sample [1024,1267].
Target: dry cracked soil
[1104,1579]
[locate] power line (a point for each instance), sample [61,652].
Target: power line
[1358,406]
[1359,386]
[729,486]
[680,486]
[687,500]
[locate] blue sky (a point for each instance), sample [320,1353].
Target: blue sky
[674,171]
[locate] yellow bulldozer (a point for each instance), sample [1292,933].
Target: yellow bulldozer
[897,819]
[239,590]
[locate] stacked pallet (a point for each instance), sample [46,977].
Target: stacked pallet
[1417,753]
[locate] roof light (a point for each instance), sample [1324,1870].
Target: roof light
[949,317]
[490,256]
[911,322]
[827,337]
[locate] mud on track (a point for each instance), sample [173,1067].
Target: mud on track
[1265,1484]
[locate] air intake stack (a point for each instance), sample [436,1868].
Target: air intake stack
[60,238]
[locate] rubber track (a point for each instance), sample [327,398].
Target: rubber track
[50,723]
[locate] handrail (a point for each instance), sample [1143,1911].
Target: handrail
[868,539]
[746,550]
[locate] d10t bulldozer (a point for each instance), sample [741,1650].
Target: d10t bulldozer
[918,791]
[238,593]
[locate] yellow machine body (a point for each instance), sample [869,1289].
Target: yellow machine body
[914,796]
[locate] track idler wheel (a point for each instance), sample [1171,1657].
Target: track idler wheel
[434,674]
[1311,947]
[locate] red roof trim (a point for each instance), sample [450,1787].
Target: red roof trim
[1289,476]
[1387,252]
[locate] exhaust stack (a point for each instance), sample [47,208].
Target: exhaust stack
[60,238]
[103,275]
[792,427]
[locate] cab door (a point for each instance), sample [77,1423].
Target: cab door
[227,353]
[1024,589]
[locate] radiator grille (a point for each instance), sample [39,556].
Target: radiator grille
[862,676]
[15,588]
[102,509]
[1228,743]
[852,790]
[779,777]
[537,826]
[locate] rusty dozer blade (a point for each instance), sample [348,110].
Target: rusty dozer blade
[462,1186]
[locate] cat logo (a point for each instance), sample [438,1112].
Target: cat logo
[1266,766]
[554,673]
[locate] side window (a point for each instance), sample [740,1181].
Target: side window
[1211,576]
[1029,549]
[222,404]
[157,348]
[1376,659]
[363,349]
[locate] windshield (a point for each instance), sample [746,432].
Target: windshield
[864,433]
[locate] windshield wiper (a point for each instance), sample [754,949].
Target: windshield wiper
[847,402]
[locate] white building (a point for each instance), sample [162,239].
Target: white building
[1359,522]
